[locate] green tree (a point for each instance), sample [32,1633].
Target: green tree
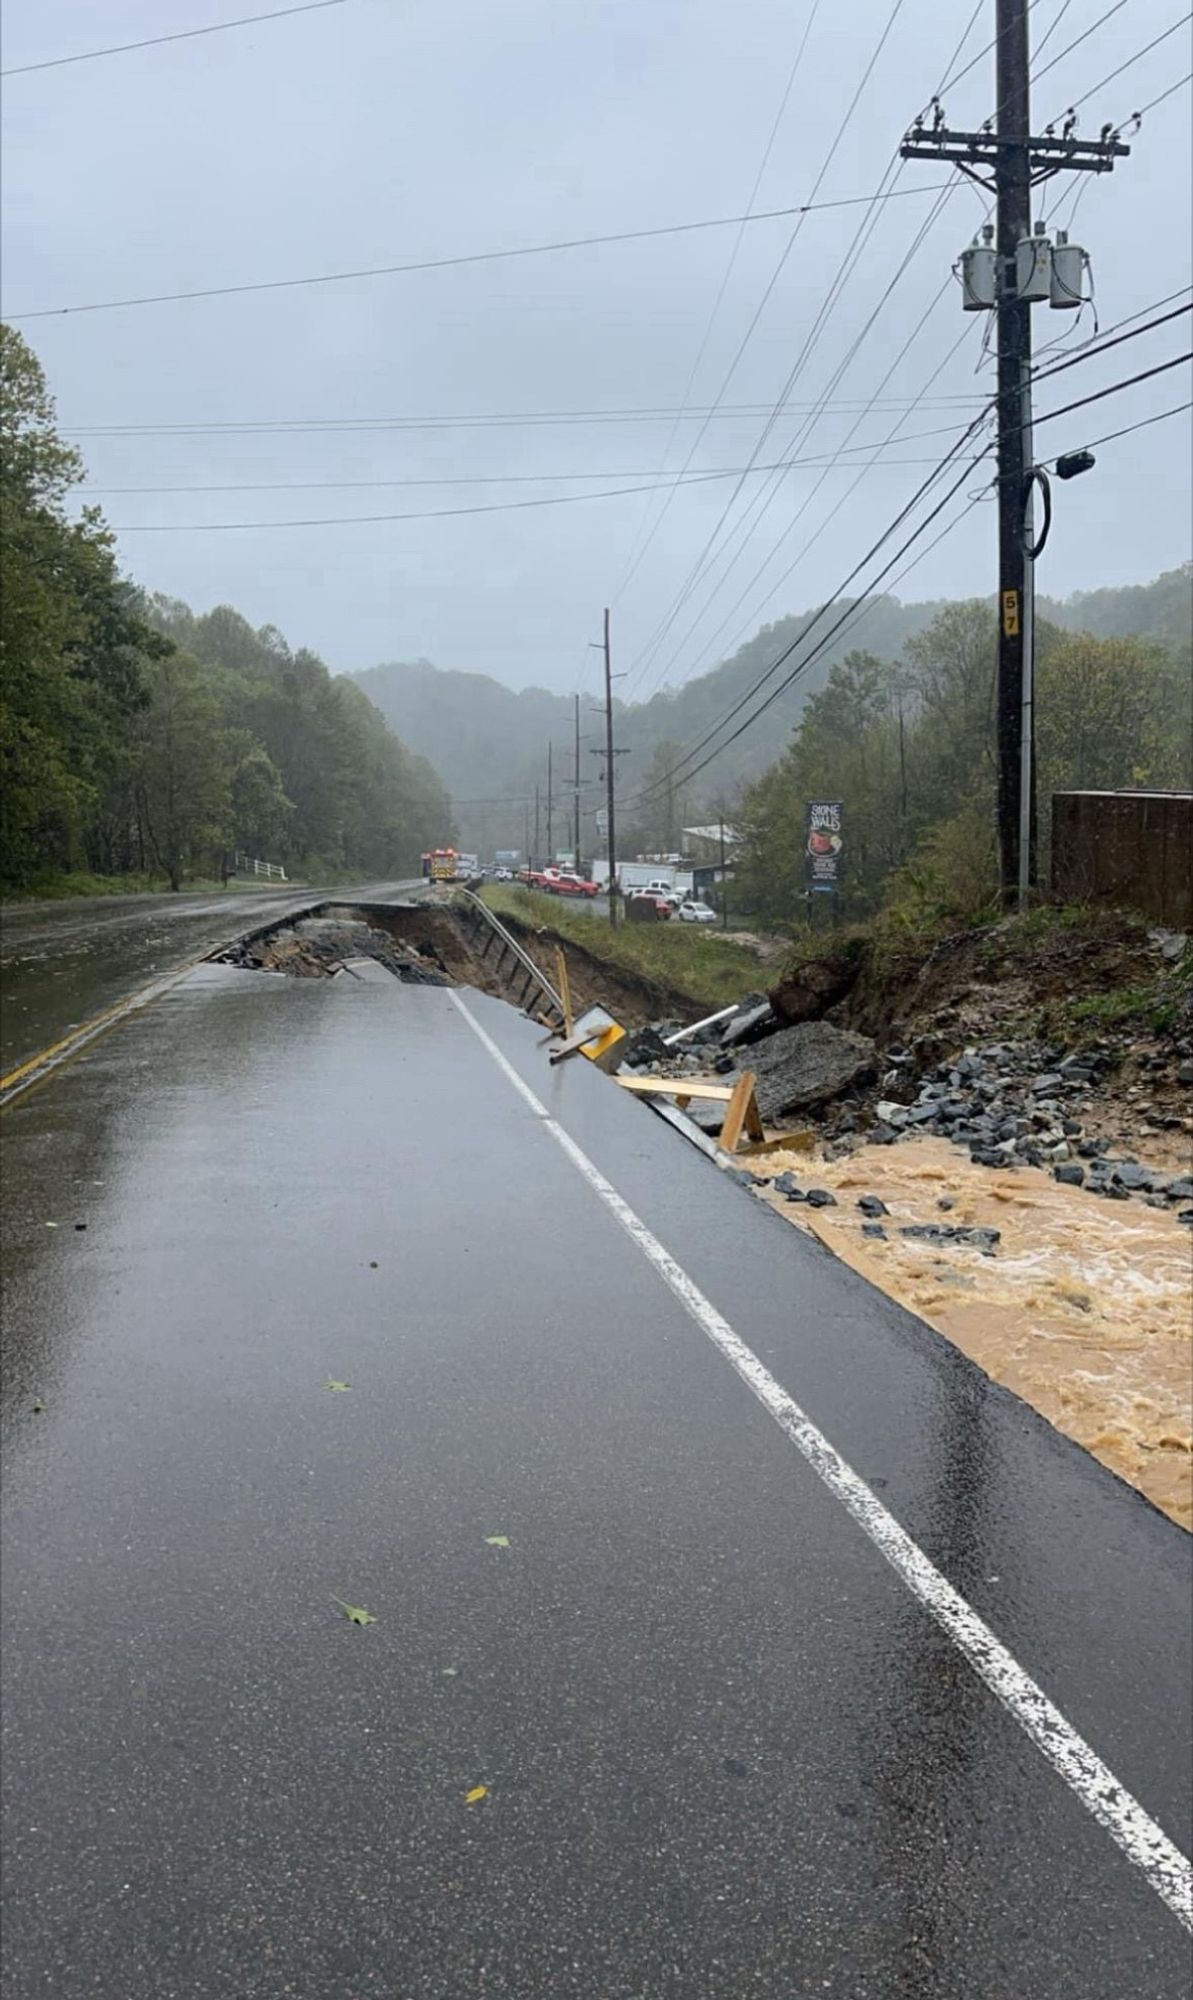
[183,770]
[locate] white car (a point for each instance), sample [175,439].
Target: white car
[503,874]
[696,913]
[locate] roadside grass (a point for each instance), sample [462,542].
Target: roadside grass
[693,959]
[58,888]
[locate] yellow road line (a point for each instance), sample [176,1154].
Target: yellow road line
[50,1058]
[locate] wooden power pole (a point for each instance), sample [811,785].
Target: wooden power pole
[610,770]
[1023,273]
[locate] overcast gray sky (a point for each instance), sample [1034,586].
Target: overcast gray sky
[384,131]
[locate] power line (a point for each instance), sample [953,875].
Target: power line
[924,487]
[472,257]
[677,772]
[1178,410]
[840,280]
[495,420]
[767,499]
[515,419]
[1091,352]
[1078,39]
[523,478]
[360,520]
[1131,61]
[644,657]
[821,643]
[1115,387]
[184,35]
[1172,88]
[864,610]
[639,547]
[825,520]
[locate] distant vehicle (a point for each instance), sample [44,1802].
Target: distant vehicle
[503,874]
[467,865]
[441,864]
[696,913]
[646,906]
[566,882]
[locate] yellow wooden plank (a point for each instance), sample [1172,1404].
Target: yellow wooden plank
[738,1111]
[565,991]
[676,1086]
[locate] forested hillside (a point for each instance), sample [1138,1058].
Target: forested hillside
[487,740]
[137,738]
[909,748]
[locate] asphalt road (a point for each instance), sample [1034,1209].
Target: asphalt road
[63,962]
[727,1752]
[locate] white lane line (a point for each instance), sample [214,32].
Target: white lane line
[1129,1826]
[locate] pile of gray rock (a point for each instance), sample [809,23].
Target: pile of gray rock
[1008,1103]
[1012,1104]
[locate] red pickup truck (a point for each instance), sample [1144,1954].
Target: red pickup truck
[566,882]
[557,882]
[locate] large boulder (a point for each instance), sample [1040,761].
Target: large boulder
[808,1065]
[807,991]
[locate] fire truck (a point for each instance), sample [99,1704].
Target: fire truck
[441,864]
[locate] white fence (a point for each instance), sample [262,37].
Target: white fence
[272,871]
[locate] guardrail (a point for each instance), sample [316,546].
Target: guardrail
[551,1010]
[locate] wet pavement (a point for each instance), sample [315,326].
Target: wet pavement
[725,1752]
[63,962]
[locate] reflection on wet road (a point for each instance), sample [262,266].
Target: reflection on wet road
[61,963]
[725,1751]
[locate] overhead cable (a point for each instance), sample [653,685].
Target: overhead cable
[183,35]
[472,257]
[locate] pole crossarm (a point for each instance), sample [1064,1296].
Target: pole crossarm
[1046,155]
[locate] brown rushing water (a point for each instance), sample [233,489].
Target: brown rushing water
[1085,1310]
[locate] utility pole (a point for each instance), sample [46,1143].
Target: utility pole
[610,755]
[1021,269]
[536,857]
[576,790]
[550,810]
[610,771]
[724,882]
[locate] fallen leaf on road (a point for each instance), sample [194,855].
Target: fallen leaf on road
[354,1614]
[475,1796]
[498,1541]
[339,1387]
[38,1407]
[51,1225]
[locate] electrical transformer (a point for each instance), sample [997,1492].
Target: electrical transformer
[1069,262]
[979,266]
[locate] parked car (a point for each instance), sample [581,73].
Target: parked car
[503,874]
[696,913]
[640,902]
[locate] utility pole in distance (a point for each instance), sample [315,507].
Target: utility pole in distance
[610,770]
[550,810]
[576,790]
[537,856]
[610,754]
[1022,268]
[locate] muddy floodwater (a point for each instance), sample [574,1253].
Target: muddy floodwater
[1085,1308]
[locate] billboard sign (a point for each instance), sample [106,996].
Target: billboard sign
[822,845]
